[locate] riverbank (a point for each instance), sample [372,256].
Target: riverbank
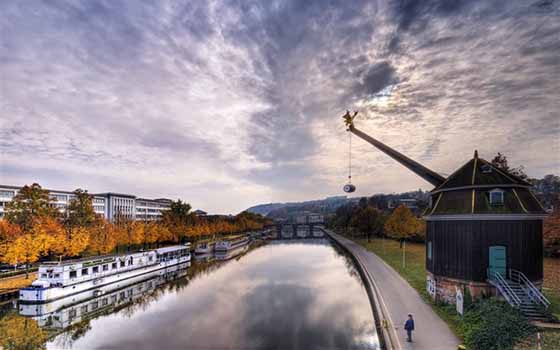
[415,274]
[400,299]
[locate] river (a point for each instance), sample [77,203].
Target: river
[294,294]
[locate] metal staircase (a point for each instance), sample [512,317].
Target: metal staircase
[520,293]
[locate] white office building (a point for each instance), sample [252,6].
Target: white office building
[110,205]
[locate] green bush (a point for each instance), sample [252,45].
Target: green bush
[494,325]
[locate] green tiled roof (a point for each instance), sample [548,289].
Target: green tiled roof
[467,191]
[473,173]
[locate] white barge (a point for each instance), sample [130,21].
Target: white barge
[230,243]
[58,280]
[62,313]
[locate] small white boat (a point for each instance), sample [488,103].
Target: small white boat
[205,247]
[231,242]
[287,231]
[302,231]
[58,280]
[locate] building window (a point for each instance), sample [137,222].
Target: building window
[497,197]
[7,194]
[73,274]
[430,250]
[85,272]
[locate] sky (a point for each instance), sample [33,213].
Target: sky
[228,104]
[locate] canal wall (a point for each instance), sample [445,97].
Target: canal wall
[388,338]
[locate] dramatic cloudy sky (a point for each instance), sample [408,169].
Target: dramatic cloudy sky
[232,103]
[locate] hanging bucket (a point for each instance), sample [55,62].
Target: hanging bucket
[349,188]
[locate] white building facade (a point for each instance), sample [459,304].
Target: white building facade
[109,205]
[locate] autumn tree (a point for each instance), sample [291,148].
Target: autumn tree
[102,237]
[402,224]
[8,234]
[31,202]
[177,219]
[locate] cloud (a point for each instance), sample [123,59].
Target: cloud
[217,101]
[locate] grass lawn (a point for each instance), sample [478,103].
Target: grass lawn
[415,275]
[17,282]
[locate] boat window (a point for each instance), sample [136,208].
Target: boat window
[56,275]
[105,267]
[151,258]
[94,305]
[113,298]
[43,275]
[105,301]
[123,264]
[85,272]
[114,265]
[72,313]
[73,274]
[95,269]
[83,310]
[131,261]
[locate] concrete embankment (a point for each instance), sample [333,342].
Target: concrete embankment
[393,299]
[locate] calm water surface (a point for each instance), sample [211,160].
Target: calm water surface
[284,295]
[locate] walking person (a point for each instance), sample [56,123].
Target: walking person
[409,326]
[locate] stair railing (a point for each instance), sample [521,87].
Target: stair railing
[533,292]
[503,286]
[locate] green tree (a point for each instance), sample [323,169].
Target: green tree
[80,212]
[31,203]
[368,221]
[500,161]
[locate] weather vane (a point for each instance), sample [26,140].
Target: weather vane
[349,119]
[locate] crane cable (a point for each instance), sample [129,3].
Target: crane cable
[349,157]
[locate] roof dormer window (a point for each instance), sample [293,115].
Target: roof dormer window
[497,197]
[486,169]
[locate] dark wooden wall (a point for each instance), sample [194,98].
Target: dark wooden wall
[460,248]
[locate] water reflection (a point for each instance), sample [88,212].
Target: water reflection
[284,295]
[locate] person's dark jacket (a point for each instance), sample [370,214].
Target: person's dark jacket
[409,325]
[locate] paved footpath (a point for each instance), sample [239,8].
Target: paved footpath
[399,299]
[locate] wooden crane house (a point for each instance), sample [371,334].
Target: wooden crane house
[484,229]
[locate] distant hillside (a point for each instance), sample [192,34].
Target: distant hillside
[329,205]
[278,210]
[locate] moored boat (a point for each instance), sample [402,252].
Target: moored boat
[205,247]
[231,242]
[61,279]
